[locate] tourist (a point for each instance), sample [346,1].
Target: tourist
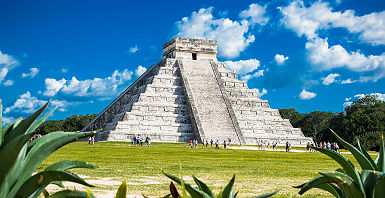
[190,144]
[328,147]
[308,147]
[93,140]
[89,140]
[224,144]
[211,142]
[287,146]
[229,141]
[207,143]
[217,145]
[134,141]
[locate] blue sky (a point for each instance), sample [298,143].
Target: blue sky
[313,55]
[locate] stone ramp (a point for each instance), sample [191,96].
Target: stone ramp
[208,106]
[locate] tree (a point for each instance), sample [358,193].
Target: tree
[365,118]
[50,126]
[292,115]
[316,124]
[77,122]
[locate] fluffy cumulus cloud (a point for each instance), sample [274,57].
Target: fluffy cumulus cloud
[348,81]
[133,49]
[325,57]
[140,70]
[7,63]
[331,78]
[8,83]
[243,67]
[26,103]
[32,73]
[280,59]
[233,36]
[246,69]
[306,95]
[97,87]
[320,16]
[260,93]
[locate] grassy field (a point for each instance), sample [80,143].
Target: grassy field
[256,171]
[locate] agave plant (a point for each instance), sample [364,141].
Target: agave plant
[20,158]
[203,190]
[348,182]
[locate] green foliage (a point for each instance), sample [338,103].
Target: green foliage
[348,182]
[72,123]
[20,158]
[203,190]
[364,118]
[122,191]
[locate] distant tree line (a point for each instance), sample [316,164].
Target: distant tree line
[364,118]
[72,123]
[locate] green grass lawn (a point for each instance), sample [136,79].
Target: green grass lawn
[256,172]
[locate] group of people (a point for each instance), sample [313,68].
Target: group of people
[330,146]
[138,141]
[193,143]
[91,140]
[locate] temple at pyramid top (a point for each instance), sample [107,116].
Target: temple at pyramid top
[190,95]
[192,49]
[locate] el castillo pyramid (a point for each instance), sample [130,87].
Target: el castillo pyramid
[189,94]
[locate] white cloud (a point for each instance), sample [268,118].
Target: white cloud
[255,14]
[26,103]
[7,63]
[53,86]
[280,59]
[7,120]
[233,36]
[250,76]
[8,83]
[134,49]
[348,81]
[309,21]
[331,78]
[32,73]
[97,87]
[306,95]
[140,70]
[260,93]
[325,58]
[243,67]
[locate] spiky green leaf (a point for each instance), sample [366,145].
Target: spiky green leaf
[41,179]
[173,191]
[369,180]
[366,154]
[360,157]
[203,187]
[7,129]
[381,156]
[228,190]
[122,190]
[317,182]
[191,190]
[40,121]
[24,125]
[346,183]
[69,164]
[266,195]
[70,194]
[346,164]
[43,147]
[379,190]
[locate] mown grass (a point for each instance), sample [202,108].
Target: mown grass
[256,171]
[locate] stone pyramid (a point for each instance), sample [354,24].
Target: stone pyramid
[189,94]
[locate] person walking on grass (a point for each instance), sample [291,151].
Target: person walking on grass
[211,142]
[89,140]
[287,146]
[93,140]
[224,144]
[217,145]
[207,143]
